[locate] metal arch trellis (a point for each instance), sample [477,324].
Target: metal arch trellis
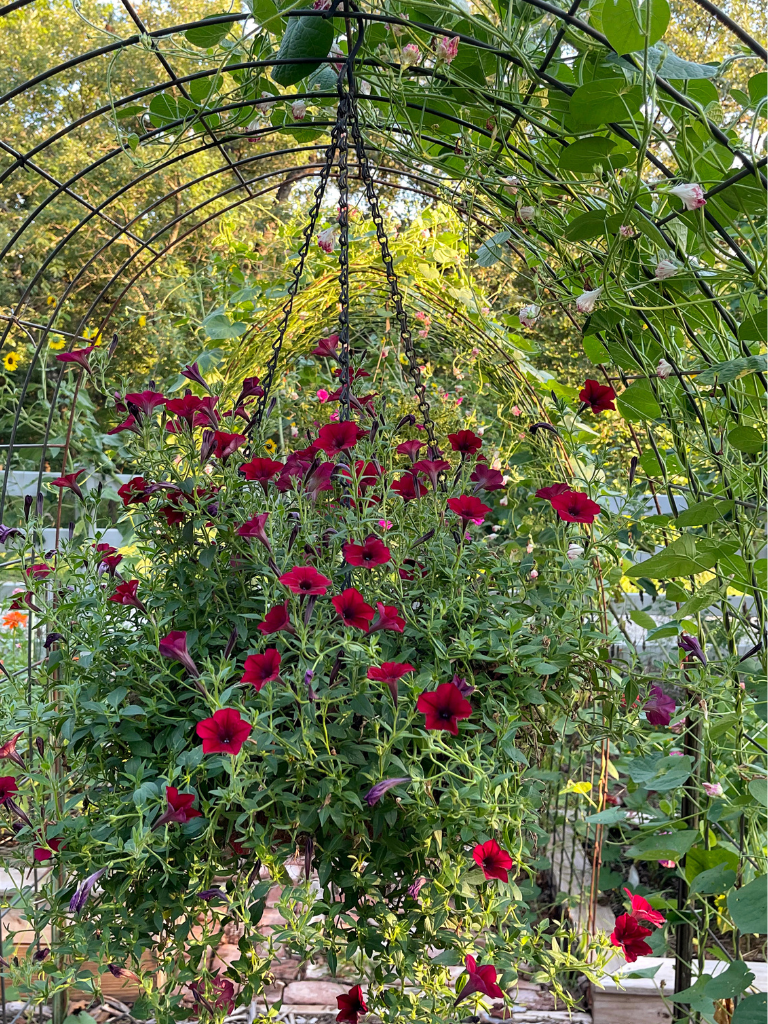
[496,205]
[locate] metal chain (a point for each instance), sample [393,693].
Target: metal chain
[308,232]
[345,104]
[394,290]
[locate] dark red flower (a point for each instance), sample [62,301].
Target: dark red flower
[630,938]
[248,389]
[260,669]
[481,979]
[226,444]
[174,647]
[659,707]
[494,861]
[410,448]
[465,442]
[338,437]
[432,468]
[575,507]
[548,493]
[111,562]
[353,373]
[443,708]
[409,487]
[306,580]
[599,397]
[352,609]
[390,672]
[39,571]
[192,372]
[8,750]
[389,619]
[469,508]
[145,401]
[224,732]
[254,527]
[351,1006]
[129,423]
[126,593]
[368,474]
[69,480]
[179,808]
[134,492]
[104,549]
[42,853]
[78,356]
[368,554]
[221,996]
[185,408]
[276,620]
[8,787]
[486,479]
[326,347]
[319,480]
[261,470]
[172,514]
[643,911]
[410,572]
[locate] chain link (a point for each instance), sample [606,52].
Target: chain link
[345,105]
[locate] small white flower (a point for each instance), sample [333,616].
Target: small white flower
[692,195]
[298,110]
[504,501]
[626,231]
[294,431]
[398,30]
[365,88]
[496,528]
[526,213]
[712,788]
[410,54]
[665,269]
[529,314]
[327,240]
[505,479]
[480,431]
[266,107]
[534,574]
[587,301]
[511,183]
[664,369]
[447,48]
[529,549]
[574,551]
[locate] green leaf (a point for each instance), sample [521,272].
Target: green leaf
[670,66]
[748,906]
[642,619]
[746,439]
[610,816]
[587,225]
[303,38]
[732,982]
[757,787]
[714,881]
[220,327]
[703,513]
[659,774]
[732,369]
[629,25]
[758,86]
[673,846]
[605,100]
[263,10]
[696,997]
[584,154]
[751,1010]
[205,36]
[595,351]
[492,250]
[643,972]
[684,557]
[638,403]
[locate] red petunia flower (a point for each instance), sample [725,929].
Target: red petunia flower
[8,750]
[494,861]
[643,911]
[390,672]
[39,571]
[221,995]
[185,408]
[469,508]
[351,1006]
[78,356]
[254,527]
[226,444]
[368,474]
[368,554]
[326,347]
[486,479]
[599,397]
[134,492]
[352,609]
[8,787]
[319,480]
[432,468]
[261,470]
[224,732]
[104,550]
[306,580]
[443,708]
[548,493]
[277,620]
[409,487]
[389,619]
[129,423]
[338,437]
[111,562]
[410,572]
[126,594]
[179,808]
[69,481]
[410,448]
[629,937]
[575,507]
[660,707]
[174,647]
[465,442]
[248,389]
[145,401]
[42,853]
[481,979]
[260,669]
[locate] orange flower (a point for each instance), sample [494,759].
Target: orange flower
[13,620]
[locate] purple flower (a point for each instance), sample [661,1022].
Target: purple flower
[192,372]
[691,646]
[83,891]
[174,647]
[659,707]
[308,677]
[463,686]
[415,888]
[375,793]
[212,894]
[7,532]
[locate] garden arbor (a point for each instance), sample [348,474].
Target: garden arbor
[573,142]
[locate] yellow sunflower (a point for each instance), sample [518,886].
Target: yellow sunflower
[11,361]
[57,341]
[270,447]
